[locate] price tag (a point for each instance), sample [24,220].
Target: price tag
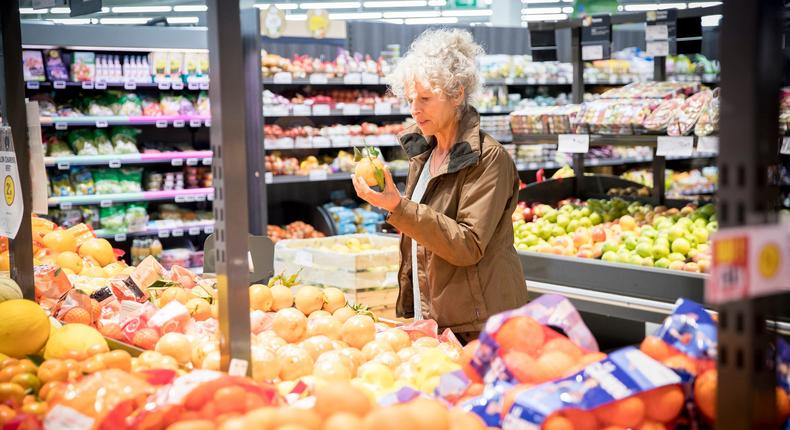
[164,86]
[195,123]
[302,143]
[59,85]
[203,86]
[319,79]
[193,86]
[351,109]
[130,85]
[612,80]
[283,78]
[61,125]
[370,79]
[532,166]
[32,85]
[200,198]
[63,165]
[268,177]
[238,367]
[317,175]
[207,123]
[194,231]
[209,229]
[101,124]
[574,143]
[321,142]
[160,123]
[105,203]
[593,162]
[120,237]
[321,110]
[785,149]
[65,206]
[65,418]
[708,144]
[356,140]
[675,145]
[177,232]
[87,85]
[178,123]
[531,81]
[341,141]
[592,52]
[542,81]
[303,258]
[658,48]
[164,234]
[509,81]
[114,164]
[101,85]
[382,108]
[352,79]
[177,85]
[301,110]
[388,140]
[285,143]
[207,161]
[656,32]
[192,161]
[372,141]
[177,162]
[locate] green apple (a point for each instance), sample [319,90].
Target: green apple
[572,226]
[595,218]
[662,262]
[585,211]
[585,222]
[703,247]
[648,262]
[630,243]
[635,259]
[658,220]
[522,246]
[532,239]
[551,216]
[610,256]
[701,234]
[566,208]
[681,246]
[700,222]
[676,232]
[576,214]
[649,232]
[610,245]
[713,226]
[659,250]
[675,256]
[644,250]
[563,219]
[545,231]
[557,231]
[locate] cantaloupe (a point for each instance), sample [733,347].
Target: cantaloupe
[73,338]
[24,328]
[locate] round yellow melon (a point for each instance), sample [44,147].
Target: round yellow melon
[60,241]
[24,328]
[69,260]
[71,338]
[99,249]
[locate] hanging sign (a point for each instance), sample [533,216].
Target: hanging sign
[273,20]
[660,32]
[11,207]
[317,22]
[596,37]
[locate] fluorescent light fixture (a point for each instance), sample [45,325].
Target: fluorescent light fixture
[413,14]
[31,11]
[439,3]
[646,7]
[703,4]
[191,8]
[539,1]
[129,21]
[59,10]
[355,15]
[72,21]
[296,17]
[544,17]
[445,20]
[395,3]
[141,9]
[392,21]
[540,10]
[331,5]
[281,6]
[567,9]
[468,12]
[182,20]
[710,20]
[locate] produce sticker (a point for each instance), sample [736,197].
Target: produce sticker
[11,209]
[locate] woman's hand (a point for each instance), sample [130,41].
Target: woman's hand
[387,199]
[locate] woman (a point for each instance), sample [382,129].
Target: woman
[458,263]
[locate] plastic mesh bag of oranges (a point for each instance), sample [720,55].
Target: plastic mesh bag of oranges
[627,389]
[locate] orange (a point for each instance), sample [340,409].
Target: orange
[230,399]
[69,260]
[358,331]
[782,404]
[53,370]
[10,392]
[176,345]
[582,420]
[663,404]
[98,249]
[334,299]
[35,408]
[308,299]
[253,401]
[290,324]
[317,345]
[327,326]
[390,418]
[342,421]
[523,367]
[260,297]
[463,420]
[77,315]
[680,361]
[344,313]
[656,348]
[295,362]
[510,397]
[262,418]
[429,414]
[110,329]
[553,365]
[705,393]
[193,425]
[9,372]
[60,241]
[199,309]
[146,338]
[626,412]
[557,422]
[28,381]
[520,334]
[651,425]
[282,297]
[341,397]
[290,415]
[562,344]
[6,414]
[466,360]
[95,310]
[375,348]
[51,389]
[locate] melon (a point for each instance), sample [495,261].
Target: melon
[99,249]
[24,328]
[73,339]
[9,289]
[60,241]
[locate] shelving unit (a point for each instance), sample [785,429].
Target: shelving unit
[180,121]
[179,196]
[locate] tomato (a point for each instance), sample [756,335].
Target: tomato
[53,370]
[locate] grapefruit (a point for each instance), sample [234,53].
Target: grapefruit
[24,328]
[98,249]
[69,260]
[60,241]
[73,338]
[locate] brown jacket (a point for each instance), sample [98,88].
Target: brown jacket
[468,267]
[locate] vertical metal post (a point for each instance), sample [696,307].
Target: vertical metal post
[577,96]
[751,41]
[659,162]
[13,105]
[228,141]
[659,69]
[256,167]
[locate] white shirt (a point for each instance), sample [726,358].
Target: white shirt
[417,195]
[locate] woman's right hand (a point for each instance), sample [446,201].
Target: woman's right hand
[387,199]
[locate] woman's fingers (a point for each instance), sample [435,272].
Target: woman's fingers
[389,183]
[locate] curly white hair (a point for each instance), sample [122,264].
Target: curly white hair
[444,60]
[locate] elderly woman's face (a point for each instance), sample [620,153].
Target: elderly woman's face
[432,111]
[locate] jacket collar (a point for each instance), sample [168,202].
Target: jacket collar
[466,152]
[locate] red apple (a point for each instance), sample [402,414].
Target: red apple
[598,234]
[528,213]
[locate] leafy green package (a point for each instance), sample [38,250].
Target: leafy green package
[101,105]
[91,216]
[128,104]
[82,142]
[61,185]
[82,182]
[102,142]
[131,180]
[107,181]
[112,218]
[57,147]
[136,216]
[124,139]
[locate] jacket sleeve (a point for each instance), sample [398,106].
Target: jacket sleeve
[485,195]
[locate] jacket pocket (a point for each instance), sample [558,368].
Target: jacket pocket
[455,294]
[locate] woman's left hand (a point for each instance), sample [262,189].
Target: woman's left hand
[387,199]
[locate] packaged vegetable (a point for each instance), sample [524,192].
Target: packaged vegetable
[112,218]
[136,217]
[131,180]
[709,120]
[151,107]
[51,282]
[82,181]
[74,307]
[46,105]
[689,113]
[61,185]
[69,110]
[186,106]
[663,115]
[81,233]
[102,142]
[57,147]
[83,66]
[91,215]
[107,181]
[203,106]
[82,142]
[124,139]
[127,104]
[170,104]
[101,106]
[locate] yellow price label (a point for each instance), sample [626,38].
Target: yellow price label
[769,261]
[10,193]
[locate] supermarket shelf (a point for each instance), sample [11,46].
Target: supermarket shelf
[600,162]
[526,81]
[319,79]
[190,158]
[319,177]
[177,121]
[180,196]
[322,110]
[595,139]
[130,86]
[319,142]
[188,229]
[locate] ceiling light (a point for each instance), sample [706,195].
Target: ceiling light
[190,8]
[468,12]
[446,20]
[646,7]
[413,14]
[395,3]
[704,4]
[296,17]
[331,5]
[72,21]
[539,1]
[141,9]
[567,9]
[182,20]
[31,11]
[710,20]
[439,3]
[539,10]
[545,17]
[281,6]
[59,10]
[355,15]
[392,21]
[130,21]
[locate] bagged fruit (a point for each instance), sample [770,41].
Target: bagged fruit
[627,389]
[51,282]
[74,307]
